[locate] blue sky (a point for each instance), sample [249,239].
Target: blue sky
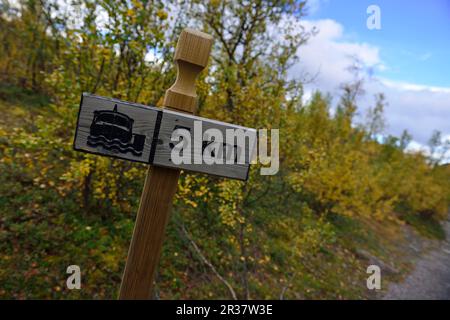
[414,35]
[409,56]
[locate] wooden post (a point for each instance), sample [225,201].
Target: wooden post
[191,57]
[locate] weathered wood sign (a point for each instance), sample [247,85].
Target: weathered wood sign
[136,132]
[205,142]
[115,128]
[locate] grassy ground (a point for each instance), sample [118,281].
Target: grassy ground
[427,227]
[41,233]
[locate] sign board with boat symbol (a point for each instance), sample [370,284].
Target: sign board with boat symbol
[141,133]
[115,128]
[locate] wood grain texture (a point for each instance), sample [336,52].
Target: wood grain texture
[145,248]
[144,120]
[172,120]
[191,57]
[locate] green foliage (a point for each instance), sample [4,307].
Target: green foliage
[16,95]
[292,235]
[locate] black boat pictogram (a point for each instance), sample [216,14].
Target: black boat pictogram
[113,131]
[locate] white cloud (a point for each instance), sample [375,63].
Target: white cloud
[416,107]
[313,6]
[328,57]
[405,86]
[441,154]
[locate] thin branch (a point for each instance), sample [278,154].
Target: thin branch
[206,261]
[99,76]
[284,289]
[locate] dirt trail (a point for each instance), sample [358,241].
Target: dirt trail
[430,278]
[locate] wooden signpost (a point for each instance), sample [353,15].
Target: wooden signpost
[141,133]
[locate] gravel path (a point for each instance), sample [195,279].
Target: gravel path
[430,278]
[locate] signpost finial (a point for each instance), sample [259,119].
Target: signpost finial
[191,57]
